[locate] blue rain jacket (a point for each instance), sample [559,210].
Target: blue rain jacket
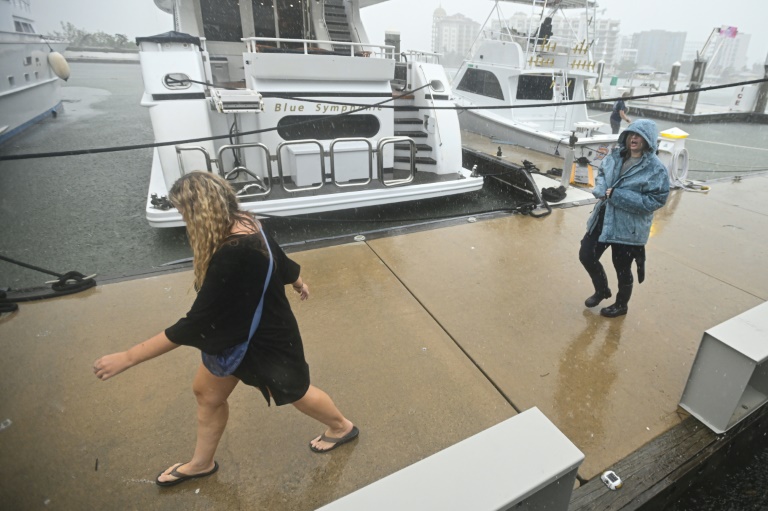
[643,189]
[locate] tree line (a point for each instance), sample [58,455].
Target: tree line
[80,38]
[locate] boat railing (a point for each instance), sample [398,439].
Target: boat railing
[425,57]
[534,46]
[333,161]
[310,47]
[263,185]
[380,163]
[180,159]
[321,153]
[432,98]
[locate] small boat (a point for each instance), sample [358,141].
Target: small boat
[289,101]
[509,68]
[32,69]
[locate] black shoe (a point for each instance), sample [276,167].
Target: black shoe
[596,298]
[614,311]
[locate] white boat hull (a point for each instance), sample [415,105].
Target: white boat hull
[594,148]
[315,125]
[24,107]
[30,91]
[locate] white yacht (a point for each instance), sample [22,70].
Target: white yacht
[290,101]
[510,68]
[31,67]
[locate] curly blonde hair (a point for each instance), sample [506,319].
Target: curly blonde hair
[209,207]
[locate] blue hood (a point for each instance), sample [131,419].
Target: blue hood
[647,129]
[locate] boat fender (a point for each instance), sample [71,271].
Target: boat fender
[59,65]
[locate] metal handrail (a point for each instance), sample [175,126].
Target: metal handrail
[322,18]
[434,110]
[333,162]
[280,165]
[265,186]
[380,163]
[427,57]
[387,51]
[179,150]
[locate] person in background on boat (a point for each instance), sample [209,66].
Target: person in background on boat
[631,184]
[238,269]
[619,113]
[544,33]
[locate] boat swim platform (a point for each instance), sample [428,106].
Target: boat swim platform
[423,338]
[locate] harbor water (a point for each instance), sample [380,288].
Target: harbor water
[86,213]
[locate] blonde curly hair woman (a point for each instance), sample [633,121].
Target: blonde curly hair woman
[241,321]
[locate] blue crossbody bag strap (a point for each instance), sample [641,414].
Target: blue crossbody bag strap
[225,363]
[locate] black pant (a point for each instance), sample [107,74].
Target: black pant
[622,255]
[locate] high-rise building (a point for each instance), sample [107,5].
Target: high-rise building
[607,45]
[453,36]
[658,49]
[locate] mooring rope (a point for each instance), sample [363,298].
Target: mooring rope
[359,107]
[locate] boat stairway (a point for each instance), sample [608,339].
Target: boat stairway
[406,127]
[337,23]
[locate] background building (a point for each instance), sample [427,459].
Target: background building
[607,45]
[658,49]
[727,54]
[453,36]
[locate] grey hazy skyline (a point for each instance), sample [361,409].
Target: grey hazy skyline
[413,19]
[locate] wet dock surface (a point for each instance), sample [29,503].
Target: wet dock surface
[422,338]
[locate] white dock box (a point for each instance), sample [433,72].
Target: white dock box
[302,162]
[524,461]
[729,377]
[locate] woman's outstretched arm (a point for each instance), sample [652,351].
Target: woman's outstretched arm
[111,365]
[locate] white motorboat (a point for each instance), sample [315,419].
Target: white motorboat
[513,68]
[32,67]
[290,101]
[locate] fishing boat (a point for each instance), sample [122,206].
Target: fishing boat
[536,66]
[290,101]
[32,70]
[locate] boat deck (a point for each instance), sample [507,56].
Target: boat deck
[423,339]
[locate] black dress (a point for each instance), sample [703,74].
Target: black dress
[223,311]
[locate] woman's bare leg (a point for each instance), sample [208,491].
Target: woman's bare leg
[319,405]
[211,393]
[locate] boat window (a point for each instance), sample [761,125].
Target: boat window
[481,82]
[327,127]
[264,19]
[221,20]
[23,26]
[535,87]
[293,16]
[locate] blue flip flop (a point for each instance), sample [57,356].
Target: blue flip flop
[183,477]
[336,441]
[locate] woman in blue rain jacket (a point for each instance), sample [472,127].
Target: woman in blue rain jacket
[632,183]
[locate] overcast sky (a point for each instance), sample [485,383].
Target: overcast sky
[413,18]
